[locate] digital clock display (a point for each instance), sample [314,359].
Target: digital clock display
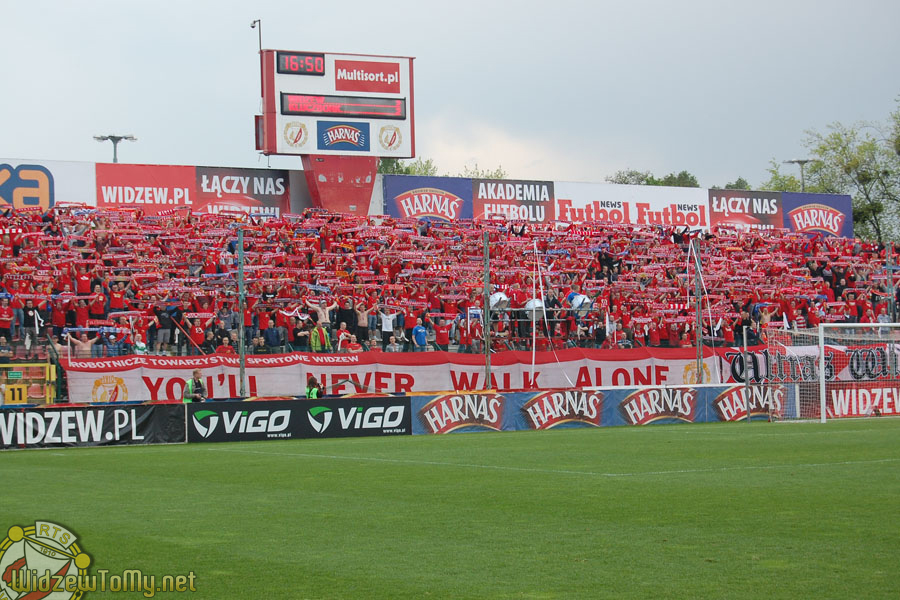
[343,106]
[301,63]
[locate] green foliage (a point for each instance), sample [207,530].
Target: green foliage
[780,182]
[861,160]
[395,166]
[630,177]
[681,179]
[635,177]
[476,172]
[738,184]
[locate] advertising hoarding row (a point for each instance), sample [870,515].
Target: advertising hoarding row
[154,189]
[448,198]
[158,189]
[566,408]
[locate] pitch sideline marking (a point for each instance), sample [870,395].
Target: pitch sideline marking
[556,471]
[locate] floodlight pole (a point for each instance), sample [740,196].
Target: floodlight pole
[802,162]
[115,139]
[487,310]
[242,352]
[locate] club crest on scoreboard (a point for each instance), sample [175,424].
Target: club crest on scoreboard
[390,137]
[295,134]
[335,135]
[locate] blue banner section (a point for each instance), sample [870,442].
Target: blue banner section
[828,214]
[440,198]
[557,409]
[340,135]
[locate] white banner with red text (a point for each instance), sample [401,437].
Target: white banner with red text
[154,378]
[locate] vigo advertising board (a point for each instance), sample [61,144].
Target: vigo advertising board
[292,419]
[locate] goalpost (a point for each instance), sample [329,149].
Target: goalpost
[836,371]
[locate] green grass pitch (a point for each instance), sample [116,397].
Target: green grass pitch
[703,511]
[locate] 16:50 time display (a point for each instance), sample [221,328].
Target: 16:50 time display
[301,63]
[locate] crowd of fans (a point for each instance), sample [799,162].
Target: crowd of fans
[110,282]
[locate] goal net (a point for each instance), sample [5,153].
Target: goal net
[860,378]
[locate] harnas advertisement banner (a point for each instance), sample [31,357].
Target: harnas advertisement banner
[91,426]
[434,198]
[322,418]
[827,214]
[550,409]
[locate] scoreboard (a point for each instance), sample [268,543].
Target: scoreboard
[343,104]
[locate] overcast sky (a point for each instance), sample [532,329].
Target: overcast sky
[550,90]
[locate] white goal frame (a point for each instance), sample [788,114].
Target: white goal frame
[823,327]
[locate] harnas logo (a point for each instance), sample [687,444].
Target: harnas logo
[553,408]
[334,135]
[448,413]
[429,202]
[653,404]
[817,217]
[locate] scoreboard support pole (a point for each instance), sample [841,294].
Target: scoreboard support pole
[340,183]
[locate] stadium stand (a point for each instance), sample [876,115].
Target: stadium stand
[111,282]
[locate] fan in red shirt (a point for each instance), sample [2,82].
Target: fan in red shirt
[97,304]
[225,347]
[82,282]
[442,335]
[197,333]
[6,318]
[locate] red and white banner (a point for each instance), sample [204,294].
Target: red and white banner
[154,378]
[158,189]
[632,204]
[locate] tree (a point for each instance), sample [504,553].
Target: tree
[634,177]
[394,166]
[779,182]
[738,184]
[861,160]
[682,179]
[630,177]
[478,173]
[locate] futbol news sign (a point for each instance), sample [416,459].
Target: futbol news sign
[344,104]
